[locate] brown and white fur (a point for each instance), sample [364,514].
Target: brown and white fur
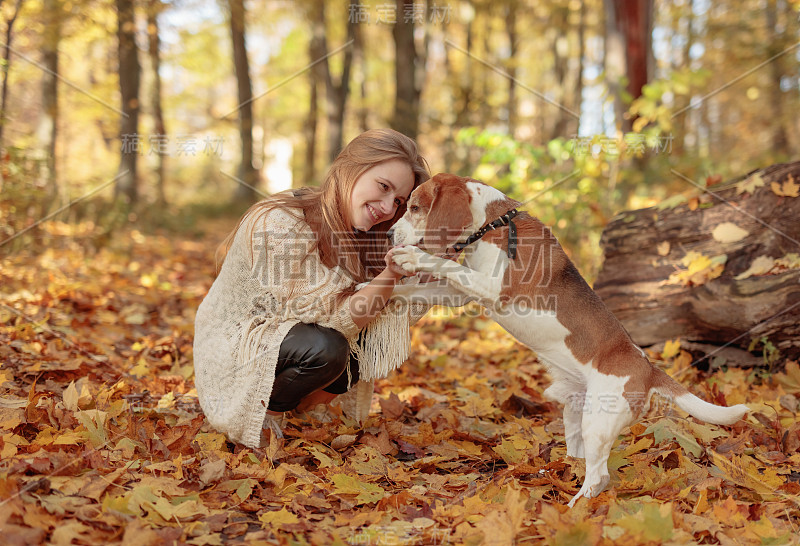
[603,379]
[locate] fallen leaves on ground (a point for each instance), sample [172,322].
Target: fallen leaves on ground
[103,441]
[699,269]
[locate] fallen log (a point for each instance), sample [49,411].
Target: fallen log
[720,266]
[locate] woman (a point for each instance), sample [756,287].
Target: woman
[281,327]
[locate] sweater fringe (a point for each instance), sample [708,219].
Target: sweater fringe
[386,344]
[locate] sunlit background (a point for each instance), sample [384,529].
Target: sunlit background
[520,94]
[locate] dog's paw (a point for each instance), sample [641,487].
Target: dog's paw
[359,286]
[410,258]
[592,486]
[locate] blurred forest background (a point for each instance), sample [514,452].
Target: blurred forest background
[157,113]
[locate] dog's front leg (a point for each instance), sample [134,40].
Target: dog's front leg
[437,292]
[480,286]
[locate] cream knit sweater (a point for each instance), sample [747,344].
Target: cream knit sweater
[253,304]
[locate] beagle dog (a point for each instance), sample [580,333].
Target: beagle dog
[515,268]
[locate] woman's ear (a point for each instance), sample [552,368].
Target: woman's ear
[449,216]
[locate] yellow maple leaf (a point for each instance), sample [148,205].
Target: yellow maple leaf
[750,184]
[278,517]
[700,269]
[350,485]
[786,189]
[512,450]
[671,348]
[744,471]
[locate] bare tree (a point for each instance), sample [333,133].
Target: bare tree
[154,8]
[47,130]
[310,127]
[629,50]
[336,93]
[129,75]
[780,141]
[246,173]
[406,61]
[559,47]
[511,32]
[7,63]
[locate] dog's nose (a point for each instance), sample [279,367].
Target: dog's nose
[390,235]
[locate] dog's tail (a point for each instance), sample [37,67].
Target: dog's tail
[664,385]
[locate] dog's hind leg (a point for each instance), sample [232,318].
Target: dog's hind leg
[573,395]
[573,427]
[600,430]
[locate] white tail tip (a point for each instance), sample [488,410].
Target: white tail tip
[719,415]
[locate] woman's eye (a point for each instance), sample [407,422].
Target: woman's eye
[384,186]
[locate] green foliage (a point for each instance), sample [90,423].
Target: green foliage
[561,183]
[652,107]
[769,352]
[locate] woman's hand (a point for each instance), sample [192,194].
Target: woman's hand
[366,303]
[392,267]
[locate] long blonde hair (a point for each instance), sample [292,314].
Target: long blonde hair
[327,209]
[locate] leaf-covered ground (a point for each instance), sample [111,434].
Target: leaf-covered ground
[102,439]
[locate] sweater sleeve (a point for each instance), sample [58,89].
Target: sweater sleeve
[288,268]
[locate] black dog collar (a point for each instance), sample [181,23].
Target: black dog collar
[504,220]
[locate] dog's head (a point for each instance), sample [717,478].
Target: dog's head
[438,214]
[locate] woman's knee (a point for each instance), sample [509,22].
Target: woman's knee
[322,348]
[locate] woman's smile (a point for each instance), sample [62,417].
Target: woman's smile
[378,193]
[374,214]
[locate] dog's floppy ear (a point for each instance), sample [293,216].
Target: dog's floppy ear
[450,213]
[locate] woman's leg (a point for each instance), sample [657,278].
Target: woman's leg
[311,357]
[339,386]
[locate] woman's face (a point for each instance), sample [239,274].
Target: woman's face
[378,192]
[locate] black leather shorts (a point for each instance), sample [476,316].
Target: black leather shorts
[311,357]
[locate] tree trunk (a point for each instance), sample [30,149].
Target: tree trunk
[559,47]
[644,248]
[578,101]
[335,94]
[614,59]
[780,142]
[47,130]
[310,128]
[129,71]
[681,121]
[629,27]
[511,31]
[247,175]
[6,66]
[360,60]
[160,132]
[464,81]
[406,104]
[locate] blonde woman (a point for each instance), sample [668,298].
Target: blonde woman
[297,315]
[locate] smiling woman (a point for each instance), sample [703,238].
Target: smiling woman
[379,192]
[283,327]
